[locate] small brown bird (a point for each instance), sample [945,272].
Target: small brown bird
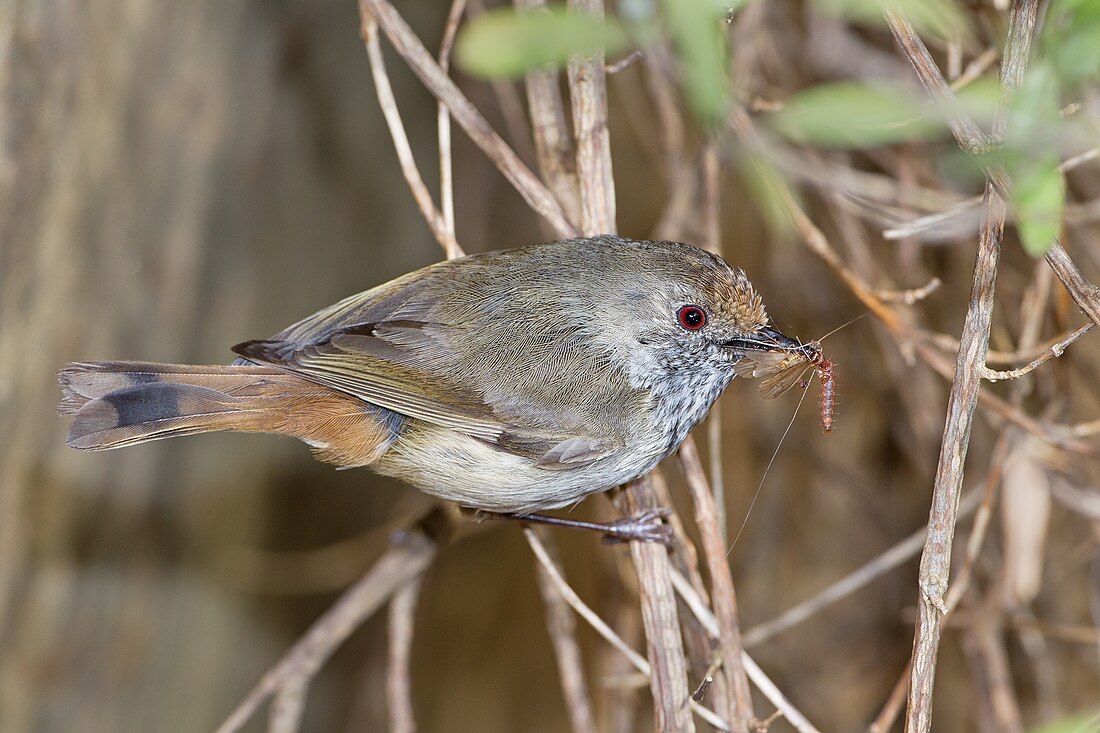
[508,381]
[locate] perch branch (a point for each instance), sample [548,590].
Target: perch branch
[600,626]
[723,594]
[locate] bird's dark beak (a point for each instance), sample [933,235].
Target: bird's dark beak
[766,339]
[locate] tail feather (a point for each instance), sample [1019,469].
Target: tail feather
[118,403]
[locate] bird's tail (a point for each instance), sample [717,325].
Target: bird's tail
[121,403]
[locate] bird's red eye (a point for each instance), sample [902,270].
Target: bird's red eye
[692,317]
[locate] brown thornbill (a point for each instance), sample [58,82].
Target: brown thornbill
[509,381]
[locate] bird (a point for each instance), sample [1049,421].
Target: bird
[511,382]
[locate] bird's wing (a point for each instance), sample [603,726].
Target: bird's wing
[420,360]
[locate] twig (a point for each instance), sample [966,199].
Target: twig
[409,47]
[446,159]
[950,344]
[850,583]
[588,93]
[763,683]
[723,595]
[685,560]
[562,628]
[398,686]
[935,566]
[553,145]
[443,234]
[600,626]
[712,241]
[664,645]
[1052,352]
[884,721]
[910,296]
[288,704]
[1062,436]
[410,554]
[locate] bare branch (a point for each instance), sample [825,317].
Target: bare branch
[562,628]
[600,626]
[446,175]
[439,227]
[723,595]
[402,619]
[410,554]
[471,120]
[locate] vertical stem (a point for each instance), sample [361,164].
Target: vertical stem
[588,94]
[664,645]
[401,620]
[935,563]
[724,599]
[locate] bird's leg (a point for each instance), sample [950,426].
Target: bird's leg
[645,527]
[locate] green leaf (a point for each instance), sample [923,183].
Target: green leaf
[506,43]
[1039,193]
[697,29]
[849,115]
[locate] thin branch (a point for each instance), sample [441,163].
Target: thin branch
[935,566]
[288,704]
[423,198]
[723,595]
[1052,352]
[910,296]
[402,619]
[763,683]
[600,626]
[850,583]
[409,47]
[446,158]
[712,241]
[410,554]
[562,628]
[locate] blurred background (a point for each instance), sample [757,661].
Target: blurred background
[176,178]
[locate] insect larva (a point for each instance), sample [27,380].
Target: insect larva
[782,370]
[828,393]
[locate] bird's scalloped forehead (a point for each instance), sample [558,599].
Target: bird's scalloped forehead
[726,288]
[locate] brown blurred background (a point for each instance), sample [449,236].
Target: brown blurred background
[179,177]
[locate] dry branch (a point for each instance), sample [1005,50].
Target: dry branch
[724,598]
[402,619]
[935,564]
[468,117]
[562,628]
[410,553]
